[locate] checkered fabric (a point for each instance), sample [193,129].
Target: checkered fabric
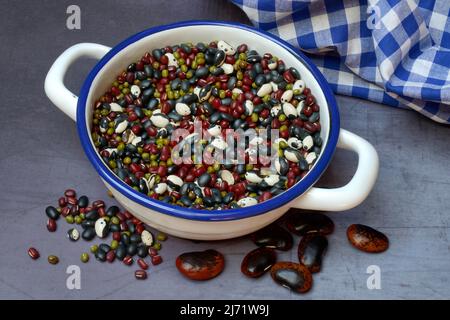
[395,52]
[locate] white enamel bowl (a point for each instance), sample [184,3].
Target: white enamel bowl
[203,224]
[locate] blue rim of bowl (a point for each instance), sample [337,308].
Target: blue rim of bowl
[209,215]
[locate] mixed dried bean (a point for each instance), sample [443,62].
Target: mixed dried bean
[129,235]
[221,87]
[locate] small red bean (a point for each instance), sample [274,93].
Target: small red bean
[62,202]
[156,260]
[98,204]
[70,193]
[65,211]
[128,260]
[128,215]
[141,262]
[110,256]
[152,252]
[33,253]
[242,48]
[51,225]
[72,200]
[288,76]
[140,274]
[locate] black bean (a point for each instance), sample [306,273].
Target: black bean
[201,72]
[185,85]
[125,239]
[152,104]
[240,168]
[217,71]
[92,215]
[186,201]
[228,198]
[303,164]
[226,116]
[204,179]
[88,224]
[143,186]
[114,227]
[231,83]
[131,228]
[314,117]
[112,211]
[260,80]
[219,57]
[175,83]
[52,213]
[142,251]
[121,252]
[208,108]
[215,117]
[135,238]
[83,202]
[157,54]
[208,201]
[100,255]
[201,47]
[139,112]
[140,75]
[295,72]
[131,67]
[148,70]
[88,234]
[131,249]
[258,68]
[189,98]
[186,48]
[104,247]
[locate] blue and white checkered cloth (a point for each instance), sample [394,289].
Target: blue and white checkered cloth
[395,52]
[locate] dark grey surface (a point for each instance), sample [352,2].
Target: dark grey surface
[41,156]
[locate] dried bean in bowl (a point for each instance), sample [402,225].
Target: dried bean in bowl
[219,86]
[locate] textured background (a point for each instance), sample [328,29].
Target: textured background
[41,156]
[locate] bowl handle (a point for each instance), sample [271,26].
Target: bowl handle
[354,192]
[54,86]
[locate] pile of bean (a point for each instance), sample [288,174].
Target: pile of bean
[223,87]
[129,235]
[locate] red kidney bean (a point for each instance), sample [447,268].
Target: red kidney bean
[309,100]
[116,236]
[75,210]
[141,262]
[128,215]
[121,216]
[242,48]
[70,193]
[62,202]
[128,260]
[110,256]
[140,274]
[101,212]
[98,204]
[65,211]
[33,253]
[51,225]
[288,76]
[156,260]
[152,252]
[123,226]
[140,228]
[309,127]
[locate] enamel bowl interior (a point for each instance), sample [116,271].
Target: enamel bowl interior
[135,47]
